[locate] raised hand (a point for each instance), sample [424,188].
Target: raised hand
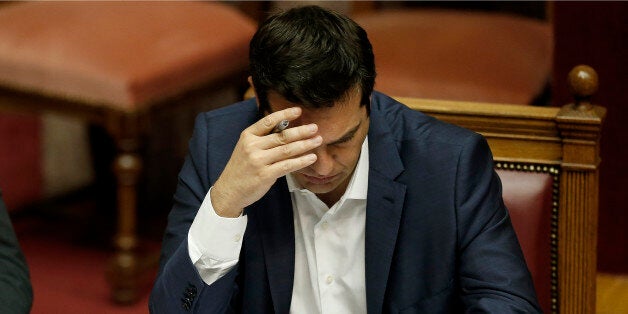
[260,158]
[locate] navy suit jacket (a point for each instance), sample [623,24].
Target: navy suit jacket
[16,292]
[438,236]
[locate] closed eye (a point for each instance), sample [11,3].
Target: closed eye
[347,136]
[342,140]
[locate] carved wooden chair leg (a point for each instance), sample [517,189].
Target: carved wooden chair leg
[125,267]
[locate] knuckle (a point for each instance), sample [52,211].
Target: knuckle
[249,148]
[267,121]
[256,159]
[286,150]
[245,134]
[281,138]
[261,174]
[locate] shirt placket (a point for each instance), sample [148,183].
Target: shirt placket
[325,243]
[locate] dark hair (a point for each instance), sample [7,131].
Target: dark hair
[311,56]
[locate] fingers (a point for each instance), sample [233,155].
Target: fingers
[268,123]
[288,136]
[286,166]
[289,150]
[276,154]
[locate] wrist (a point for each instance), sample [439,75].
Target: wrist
[221,204]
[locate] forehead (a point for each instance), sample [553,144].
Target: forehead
[346,109]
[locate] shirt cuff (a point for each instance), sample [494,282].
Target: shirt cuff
[214,242]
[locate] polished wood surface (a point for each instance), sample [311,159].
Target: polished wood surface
[516,133]
[612,293]
[567,137]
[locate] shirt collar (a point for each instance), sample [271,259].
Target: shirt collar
[358,185]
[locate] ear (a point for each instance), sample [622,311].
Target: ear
[250,92]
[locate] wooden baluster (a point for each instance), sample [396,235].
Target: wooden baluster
[124,267]
[579,124]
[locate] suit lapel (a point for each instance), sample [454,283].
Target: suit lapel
[274,212]
[383,210]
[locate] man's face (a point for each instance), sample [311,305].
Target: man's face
[343,128]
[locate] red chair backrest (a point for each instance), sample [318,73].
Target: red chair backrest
[529,199]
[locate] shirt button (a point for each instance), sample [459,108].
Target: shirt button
[237,237]
[324,225]
[329,279]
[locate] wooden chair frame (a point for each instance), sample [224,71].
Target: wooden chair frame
[564,142]
[129,129]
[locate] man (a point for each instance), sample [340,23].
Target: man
[361,205]
[16,293]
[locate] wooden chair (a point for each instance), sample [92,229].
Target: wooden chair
[114,64]
[548,160]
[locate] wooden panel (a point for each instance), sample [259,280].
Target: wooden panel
[577,241]
[526,151]
[612,294]
[516,133]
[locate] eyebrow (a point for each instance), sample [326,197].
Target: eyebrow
[347,136]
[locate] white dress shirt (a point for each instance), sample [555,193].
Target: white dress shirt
[329,272]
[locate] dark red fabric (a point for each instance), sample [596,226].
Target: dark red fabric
[121,55]
[68,277]
[21,178]
[528,197]
[459,55]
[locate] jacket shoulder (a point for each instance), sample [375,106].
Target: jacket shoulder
[236,111]
[408,125]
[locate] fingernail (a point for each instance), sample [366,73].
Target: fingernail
[317,140]
[313,128]
[296,111]
[311,157]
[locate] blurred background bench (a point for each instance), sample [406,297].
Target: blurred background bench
[139,73]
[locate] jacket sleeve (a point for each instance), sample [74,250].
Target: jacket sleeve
[179,288]
[16,293]
[493,274]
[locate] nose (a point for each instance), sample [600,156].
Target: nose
[324,164]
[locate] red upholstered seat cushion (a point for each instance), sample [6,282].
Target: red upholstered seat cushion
[528,197]
[459,55]
[120,54]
